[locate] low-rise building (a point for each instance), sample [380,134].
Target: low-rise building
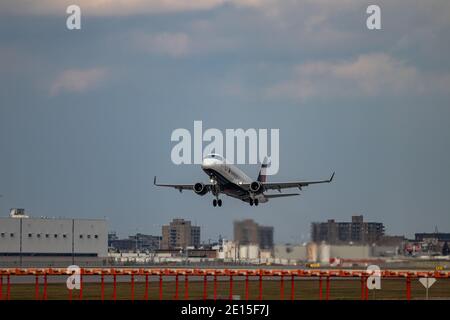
[27,239]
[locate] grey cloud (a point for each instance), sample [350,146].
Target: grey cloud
[78,80]
[116,8]
[368,75]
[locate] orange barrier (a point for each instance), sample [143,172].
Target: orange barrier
[408,275]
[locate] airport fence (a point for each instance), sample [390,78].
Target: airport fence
[217,284]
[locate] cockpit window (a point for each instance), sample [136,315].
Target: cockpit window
[215,156]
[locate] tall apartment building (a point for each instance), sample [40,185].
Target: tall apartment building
[265,237]
[180,233]
[356,231]
[249,232]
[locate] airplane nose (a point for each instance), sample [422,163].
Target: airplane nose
[208,163]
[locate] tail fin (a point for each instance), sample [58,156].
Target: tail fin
[262,177]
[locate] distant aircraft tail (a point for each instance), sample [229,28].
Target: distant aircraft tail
[262,177]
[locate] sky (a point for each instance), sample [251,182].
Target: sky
[86,115]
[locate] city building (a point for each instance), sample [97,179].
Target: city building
[228,251]
[187,253]
[248,232]
[388,240]
[429,244]
[123,245]
[323,253]
[146,242]
[356,231]
[111,237]
[438,236]
[245,232]
[265,237]
[180,233]
[22,237]
[139,242]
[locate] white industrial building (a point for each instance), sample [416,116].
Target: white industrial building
[22,236]
[228,251]
[322,253]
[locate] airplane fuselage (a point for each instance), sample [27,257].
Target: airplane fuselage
[229,179]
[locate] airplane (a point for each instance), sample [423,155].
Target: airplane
[228,179]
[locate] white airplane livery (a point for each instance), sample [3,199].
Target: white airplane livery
[228,179]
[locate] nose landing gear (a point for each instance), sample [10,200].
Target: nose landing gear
[255,202]
[217,202]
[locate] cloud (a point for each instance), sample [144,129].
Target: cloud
[117,7]
[271,8]
[172,44]
[306,44]
[368,75]
[198,38]
[78,80]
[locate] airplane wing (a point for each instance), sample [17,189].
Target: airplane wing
[179,187]
[270,196]
[294,184]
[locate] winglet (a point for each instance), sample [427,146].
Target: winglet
[154,180]
[332,176]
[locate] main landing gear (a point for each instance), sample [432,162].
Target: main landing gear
[217,202]
[256,202]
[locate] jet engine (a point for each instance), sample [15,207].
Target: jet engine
[255,187]
[200,189]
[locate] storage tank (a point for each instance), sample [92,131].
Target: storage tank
[325,253]
[243,252]
[253,252]
[311,249]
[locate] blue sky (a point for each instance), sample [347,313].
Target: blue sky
[86,116]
